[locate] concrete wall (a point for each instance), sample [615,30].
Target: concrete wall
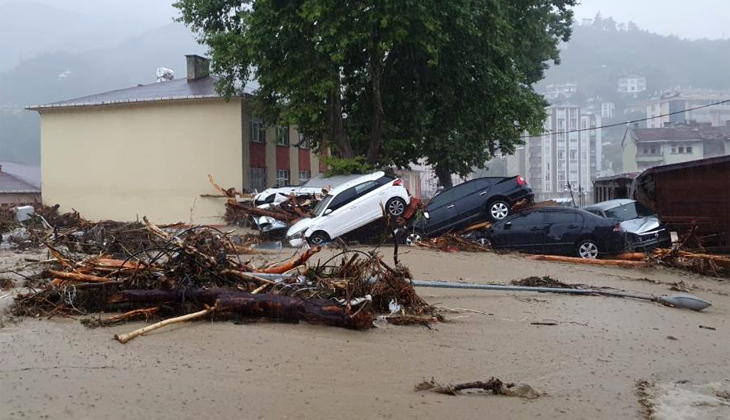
[121,162]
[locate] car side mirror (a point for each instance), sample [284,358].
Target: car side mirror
[508,225]
[328,211]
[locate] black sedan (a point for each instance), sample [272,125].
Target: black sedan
[556,230]
[471,202]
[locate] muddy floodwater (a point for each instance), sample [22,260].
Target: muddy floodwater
[588,364]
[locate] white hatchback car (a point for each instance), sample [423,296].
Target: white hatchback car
[349,206]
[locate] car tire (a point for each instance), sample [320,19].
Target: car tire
[318,238]
[395,207]
[497,210]
[587,249]
[484,242]
[413,239]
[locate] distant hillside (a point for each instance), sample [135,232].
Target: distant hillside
[28,28]
[597,55]
[50,77]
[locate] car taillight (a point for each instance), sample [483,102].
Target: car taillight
[521,181]
[617,228]
[397,183]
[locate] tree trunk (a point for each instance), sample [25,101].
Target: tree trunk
[248,305]
[337,124]
[444,175]
[376,133]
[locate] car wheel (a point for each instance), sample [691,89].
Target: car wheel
[588,250]
[318,238]
[498,210]
[395,207]
[484,242]
[413,239]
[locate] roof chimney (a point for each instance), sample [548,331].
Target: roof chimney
[198,67]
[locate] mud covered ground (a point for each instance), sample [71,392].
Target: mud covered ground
[588,364]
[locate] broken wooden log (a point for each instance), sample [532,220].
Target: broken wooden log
[631,256]
[294,263]
[124,338]
[74,276]
[576,260]
[236,302]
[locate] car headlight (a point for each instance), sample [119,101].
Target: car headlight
[425,214]
[298,235]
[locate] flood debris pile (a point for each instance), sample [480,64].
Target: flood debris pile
[196,272]
[705,264]
[241,207]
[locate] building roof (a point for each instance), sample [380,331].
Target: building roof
[682,133]
[177,89]
[10,184]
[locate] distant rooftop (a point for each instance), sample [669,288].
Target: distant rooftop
[696,132]
[10,184]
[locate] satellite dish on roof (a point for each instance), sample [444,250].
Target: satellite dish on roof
[164,74]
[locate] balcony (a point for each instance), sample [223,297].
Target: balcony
[649,157]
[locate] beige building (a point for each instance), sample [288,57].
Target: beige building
[148,150]
[668,107]
[647,147]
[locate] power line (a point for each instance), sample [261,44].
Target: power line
[625,122]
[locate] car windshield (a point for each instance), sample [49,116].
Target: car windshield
[322,205]
[629,211]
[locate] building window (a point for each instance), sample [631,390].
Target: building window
[674,149]
[258,131]
[304,176]
[653,150]
[303,142]
[282,135]
[282,177]
[689,149]
[681,149]
[258,179]
[573,154]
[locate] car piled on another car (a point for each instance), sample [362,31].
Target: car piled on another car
[350,206]
[641,225]
[488,198]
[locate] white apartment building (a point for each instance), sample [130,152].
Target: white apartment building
[556,90]
[567,154]
[631,83]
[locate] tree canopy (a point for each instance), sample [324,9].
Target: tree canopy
[396,81]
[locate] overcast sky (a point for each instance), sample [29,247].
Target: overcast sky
[691,19]
[685,18]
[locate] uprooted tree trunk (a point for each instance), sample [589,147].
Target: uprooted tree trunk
[248,305]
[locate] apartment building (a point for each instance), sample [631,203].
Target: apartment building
[567,156]
[667,106]
[631,83]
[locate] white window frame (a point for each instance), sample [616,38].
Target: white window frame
[258,130]
[304,176]
[282,177]
[282,135]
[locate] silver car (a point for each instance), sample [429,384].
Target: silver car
[644,231]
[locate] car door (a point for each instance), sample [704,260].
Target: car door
[523,232]
[562,229]
[342,214]
[366,205]
[442,213]
[471,206]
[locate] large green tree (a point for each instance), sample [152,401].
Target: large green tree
[396,81]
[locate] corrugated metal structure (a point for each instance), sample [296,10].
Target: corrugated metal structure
[695,193]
